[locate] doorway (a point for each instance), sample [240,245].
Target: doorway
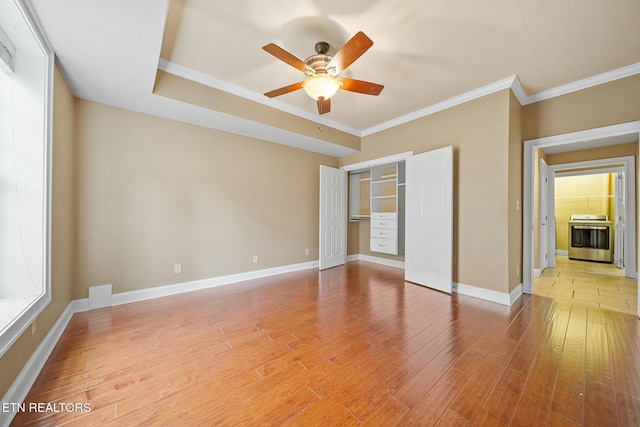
[595,188]
[592,138]
[572,275]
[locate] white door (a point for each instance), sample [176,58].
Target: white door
[333,217]
[619,221]
[429,219]
[544,216]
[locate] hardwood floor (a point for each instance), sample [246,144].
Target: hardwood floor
[351,345]
[588,284]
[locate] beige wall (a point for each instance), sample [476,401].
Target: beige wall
[479,131]
[154,192]
[514,207]
[604,105]
[63,222]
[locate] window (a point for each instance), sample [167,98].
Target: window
[25,134]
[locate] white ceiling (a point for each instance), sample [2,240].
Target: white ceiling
[424,52]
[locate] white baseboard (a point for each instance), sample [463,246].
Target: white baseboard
[537,272]
[515,294]
[29,373]
[562,252]
[167,290]
[376,260]
[469,290]
[488,294]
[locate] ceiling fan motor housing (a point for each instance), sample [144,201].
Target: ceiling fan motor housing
[319,63]
[320,60]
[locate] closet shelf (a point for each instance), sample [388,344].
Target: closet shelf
[388,177]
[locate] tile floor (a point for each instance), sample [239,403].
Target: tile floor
[588,284]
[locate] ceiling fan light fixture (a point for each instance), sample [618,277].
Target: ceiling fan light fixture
[321,86]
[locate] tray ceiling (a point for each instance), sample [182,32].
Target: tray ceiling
[424,53]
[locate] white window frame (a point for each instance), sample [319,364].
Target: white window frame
[19,16]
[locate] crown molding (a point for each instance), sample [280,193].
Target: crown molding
[440,106]
[516,87]
[198,77]
[609,76]
[35,26]
[518,91]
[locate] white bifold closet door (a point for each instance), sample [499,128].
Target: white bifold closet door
[429,219]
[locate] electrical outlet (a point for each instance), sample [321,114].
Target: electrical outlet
[255,259]
[177,269]
[518,271]
[34,327]
[306,251]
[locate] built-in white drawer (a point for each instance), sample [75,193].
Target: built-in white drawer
[386,246]
[384,215]
[384,223]
[385,233]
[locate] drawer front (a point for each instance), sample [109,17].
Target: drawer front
[385,233]
[384,223]
[386,246]
[384,215]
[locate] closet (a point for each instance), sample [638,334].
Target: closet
[408,201]
[377,194]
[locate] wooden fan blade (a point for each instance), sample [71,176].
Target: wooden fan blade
[351,51]
[287,57]
[361,86]
[283,90]
[324,106]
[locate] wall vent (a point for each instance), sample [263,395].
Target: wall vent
[99,296]
[7,51]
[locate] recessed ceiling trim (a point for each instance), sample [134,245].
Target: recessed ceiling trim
[187,73]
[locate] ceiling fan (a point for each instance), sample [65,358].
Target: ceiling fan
[322,71]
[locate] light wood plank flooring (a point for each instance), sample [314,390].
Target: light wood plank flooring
[588,284]
[348,346]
